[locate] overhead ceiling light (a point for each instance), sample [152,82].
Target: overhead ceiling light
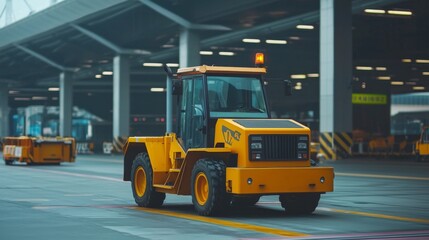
[173,64]
[53,89]
[411,83]
[226,53]
[298,84]
[98,76]
[364,68]
[167,46]
[103,61]
[86,65]
[406,60]
[38,98]
[422,61]
[397,83]
[251,40]
[419,88]
[208,53]
[380,68]
[375,11]
[423,73]
[21,99]
[298,87]
[152,64]
[305,27]
[298,76]
[294,38]
[272,41]
[107,73]
[55,98]
[313,75]
[383,78]
[400,12]
[155,89]
[13,92]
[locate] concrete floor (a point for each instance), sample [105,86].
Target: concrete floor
[373,199]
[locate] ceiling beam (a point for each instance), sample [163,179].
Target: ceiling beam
[180,20]
[109,44]
[45,59]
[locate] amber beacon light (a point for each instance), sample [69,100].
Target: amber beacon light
[259,59]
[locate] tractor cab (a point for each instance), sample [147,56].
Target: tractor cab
[209,93]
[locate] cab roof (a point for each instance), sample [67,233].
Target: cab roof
[204,69]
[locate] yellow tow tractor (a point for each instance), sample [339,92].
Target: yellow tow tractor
[38,150]
[227,150]
[422,145]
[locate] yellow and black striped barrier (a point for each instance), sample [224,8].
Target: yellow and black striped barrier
[118,144]
[335,145]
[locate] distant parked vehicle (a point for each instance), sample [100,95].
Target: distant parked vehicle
[422,145]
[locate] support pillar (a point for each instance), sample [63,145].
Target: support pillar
[66,104]
[4,112]
[189,49]
[121,101]
[335,78]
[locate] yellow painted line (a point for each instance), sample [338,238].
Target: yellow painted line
[380,176]
[376,215]
[231,224]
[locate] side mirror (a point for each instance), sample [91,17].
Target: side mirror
[287,87]
[177,87]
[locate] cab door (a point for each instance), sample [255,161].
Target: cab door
[193,113]
[424,142]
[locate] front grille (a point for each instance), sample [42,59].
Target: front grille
[278,147]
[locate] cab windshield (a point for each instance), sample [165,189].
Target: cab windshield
[236,97]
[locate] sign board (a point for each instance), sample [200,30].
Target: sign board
[369,99]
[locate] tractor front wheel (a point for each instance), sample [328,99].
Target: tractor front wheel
[142,183]
[208,187]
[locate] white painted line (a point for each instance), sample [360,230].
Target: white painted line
[380,176]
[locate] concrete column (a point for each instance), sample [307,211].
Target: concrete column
[189,51]
[66,104]
[121,97]
[4,112]
[335,73]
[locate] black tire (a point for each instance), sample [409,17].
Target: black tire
[8,162]
[247,201]
[145,195]
[216,198]
[300,203]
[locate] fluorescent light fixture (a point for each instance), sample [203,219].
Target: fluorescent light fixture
[167,46]
[55,98]
[251,40]
[273,41]
[423,73]
[298,87]
[383,78]
[400,12]
[156,89]
[411,83]
[98,76]
[397,83]
[207,53]
[86,65]
[294,38]
[103,61]
[364,68]
[21,99]
[406,60]
[313,75]
[148,64]
[226,53]
[375,11]
[38,98]
[419,88]
[305,27]
[298,84]
[53,89]
[298,76]
[422,60]
[380,68]
[13,92]
[173,64]
[107,73]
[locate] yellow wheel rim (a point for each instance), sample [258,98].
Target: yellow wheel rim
[140,181]
[201,188]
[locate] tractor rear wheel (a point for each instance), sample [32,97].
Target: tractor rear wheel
[142,183]
[300,203]
[208,187]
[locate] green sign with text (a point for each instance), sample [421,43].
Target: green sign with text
[369,99]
